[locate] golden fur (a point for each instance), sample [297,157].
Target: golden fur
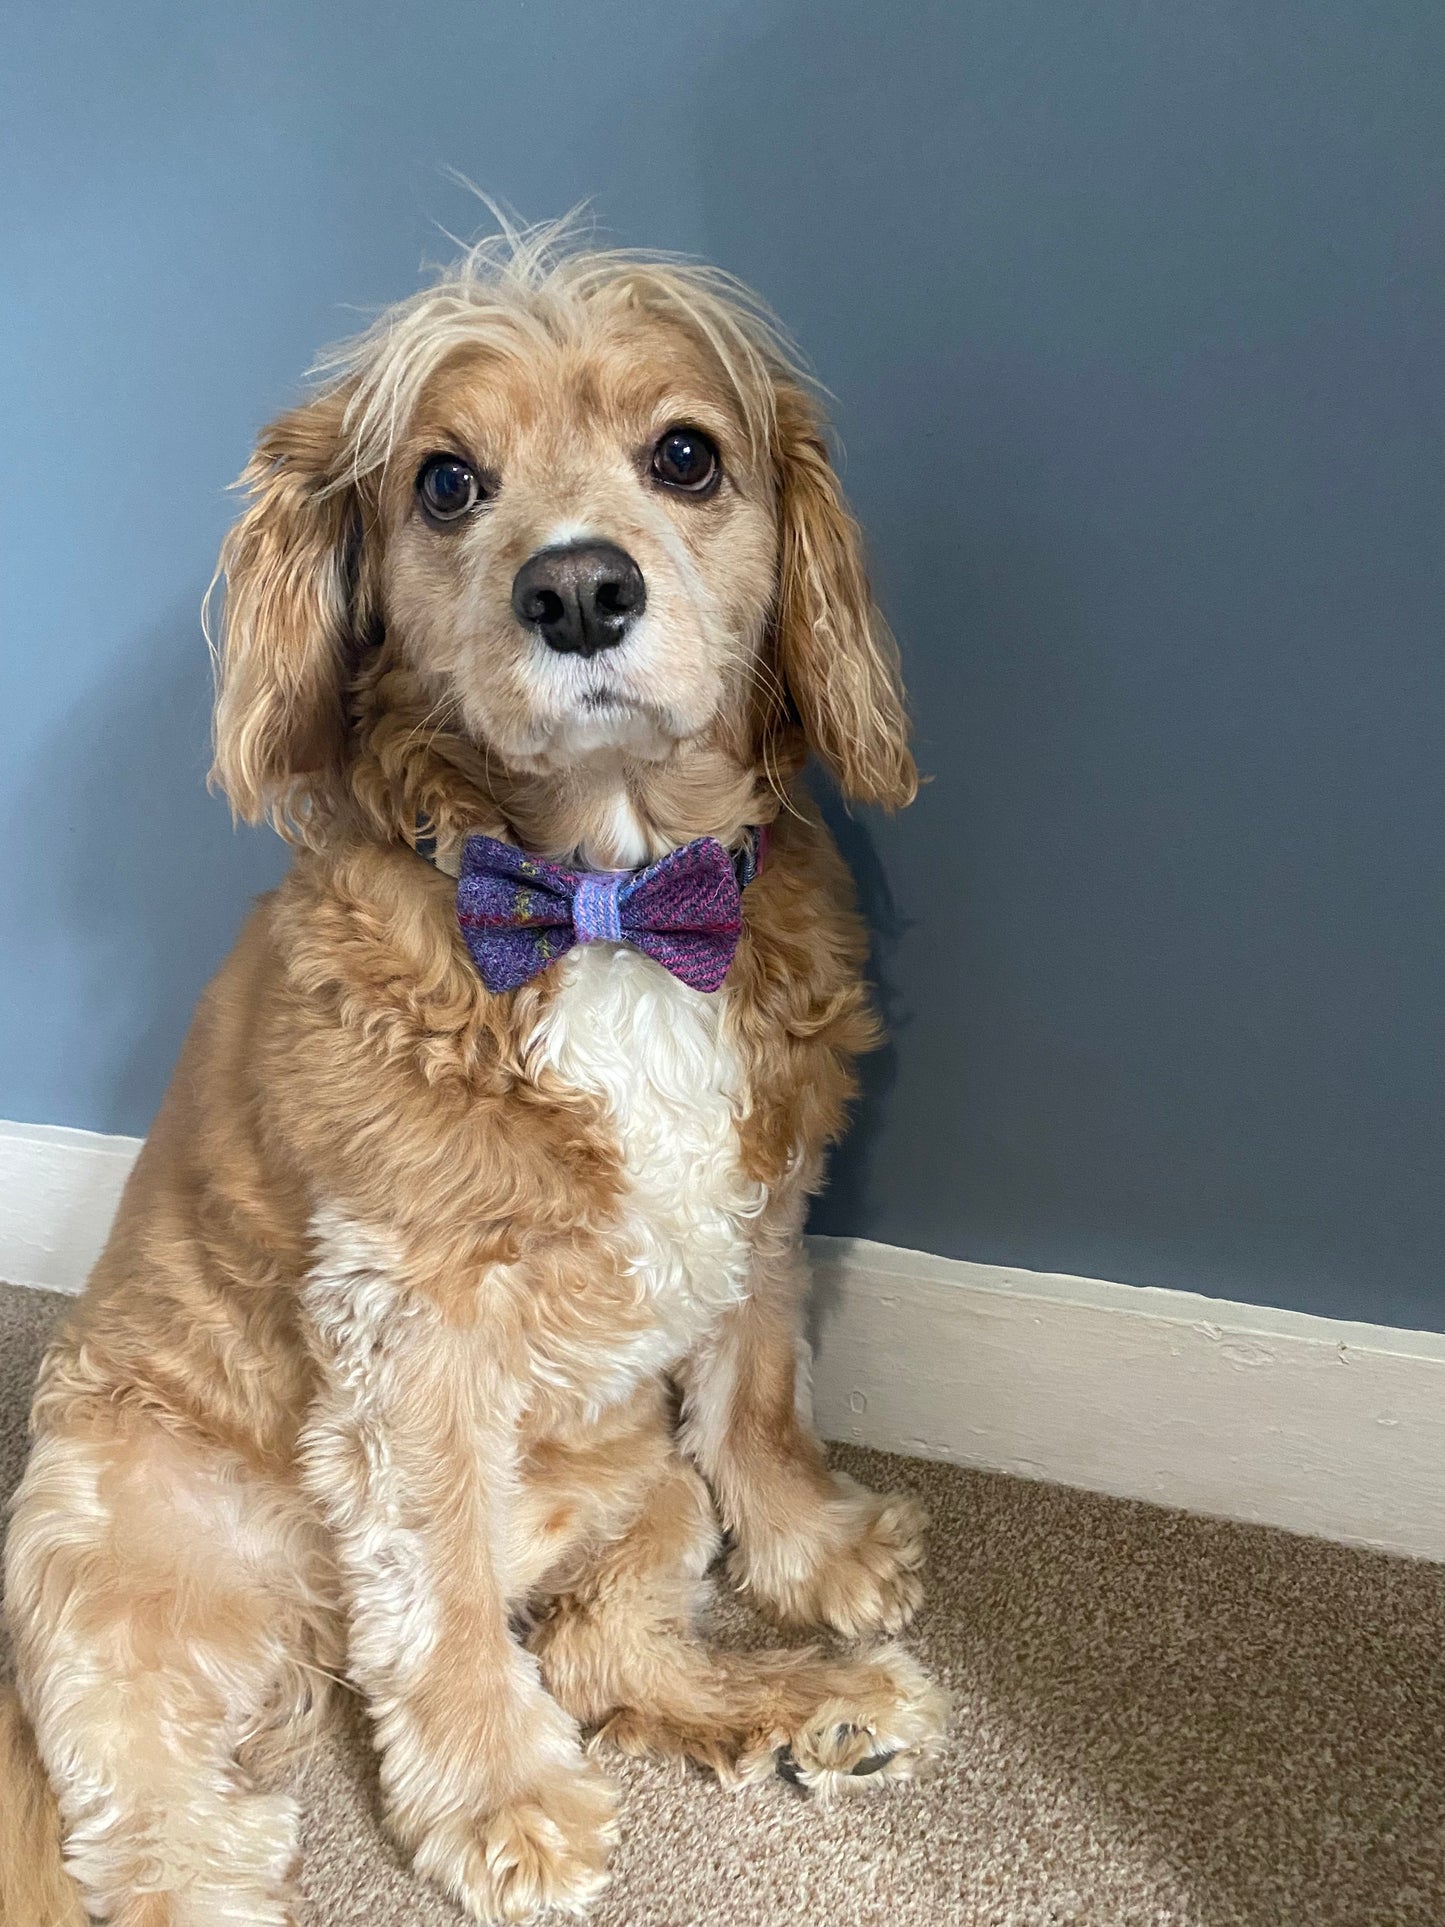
[379,1370]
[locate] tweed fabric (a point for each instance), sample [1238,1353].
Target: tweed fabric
[518,914]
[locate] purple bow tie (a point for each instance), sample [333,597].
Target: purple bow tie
[519,914]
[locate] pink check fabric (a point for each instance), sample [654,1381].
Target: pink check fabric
[519,914]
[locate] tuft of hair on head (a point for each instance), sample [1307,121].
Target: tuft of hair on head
[525,286]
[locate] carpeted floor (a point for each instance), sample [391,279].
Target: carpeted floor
[1160,1721]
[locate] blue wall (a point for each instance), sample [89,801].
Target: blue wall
[1135,319]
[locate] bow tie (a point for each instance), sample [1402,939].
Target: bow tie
[518,914]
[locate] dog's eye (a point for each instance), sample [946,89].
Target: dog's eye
[448,487]
[685,458]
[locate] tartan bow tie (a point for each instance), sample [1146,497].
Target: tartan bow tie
[519,914]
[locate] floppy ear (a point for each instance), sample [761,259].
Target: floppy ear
[837,654]
[288,624]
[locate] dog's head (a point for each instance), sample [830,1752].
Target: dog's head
[562,512]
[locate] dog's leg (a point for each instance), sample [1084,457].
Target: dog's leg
[410,1452]
[813,1548]
[619,1651]
[162,1599]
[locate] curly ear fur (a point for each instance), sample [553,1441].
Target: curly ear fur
[837,654]
[288,625]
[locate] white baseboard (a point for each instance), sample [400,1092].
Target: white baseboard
[1275,1417]
[58,1193]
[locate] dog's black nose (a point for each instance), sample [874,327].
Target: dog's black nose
[579,598]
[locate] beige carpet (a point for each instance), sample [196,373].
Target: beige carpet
[1160,1721]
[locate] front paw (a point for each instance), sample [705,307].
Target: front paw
[855,1564]
[547,1846]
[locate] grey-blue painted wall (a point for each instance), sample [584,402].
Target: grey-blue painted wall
[1134,314]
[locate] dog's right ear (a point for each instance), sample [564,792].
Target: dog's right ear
[289,566]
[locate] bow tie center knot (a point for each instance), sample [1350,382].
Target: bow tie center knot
[597,908]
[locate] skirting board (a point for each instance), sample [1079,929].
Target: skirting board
[58,1193]
[1274,1417]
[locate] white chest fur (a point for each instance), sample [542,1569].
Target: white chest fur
[658,1056]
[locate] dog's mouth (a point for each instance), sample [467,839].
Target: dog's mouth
[607,704]
[601,720]
[584,707]
[575,688]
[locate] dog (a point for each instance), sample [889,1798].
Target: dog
[450,1325]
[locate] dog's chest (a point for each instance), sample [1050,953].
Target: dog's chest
[659,1057]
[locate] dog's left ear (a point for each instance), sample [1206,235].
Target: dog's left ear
[290,622]
[837,654]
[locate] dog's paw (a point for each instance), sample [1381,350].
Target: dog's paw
[855,1565]
[827,1725]
[886,1722]
[546,1847]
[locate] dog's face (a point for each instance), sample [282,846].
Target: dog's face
[579,545]
[586,508]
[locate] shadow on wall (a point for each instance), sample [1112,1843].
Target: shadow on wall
[848,1167]
[157,882]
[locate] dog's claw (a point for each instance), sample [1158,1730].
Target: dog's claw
[787,1767]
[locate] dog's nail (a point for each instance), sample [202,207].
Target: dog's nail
[874,1763]
[787,1767]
